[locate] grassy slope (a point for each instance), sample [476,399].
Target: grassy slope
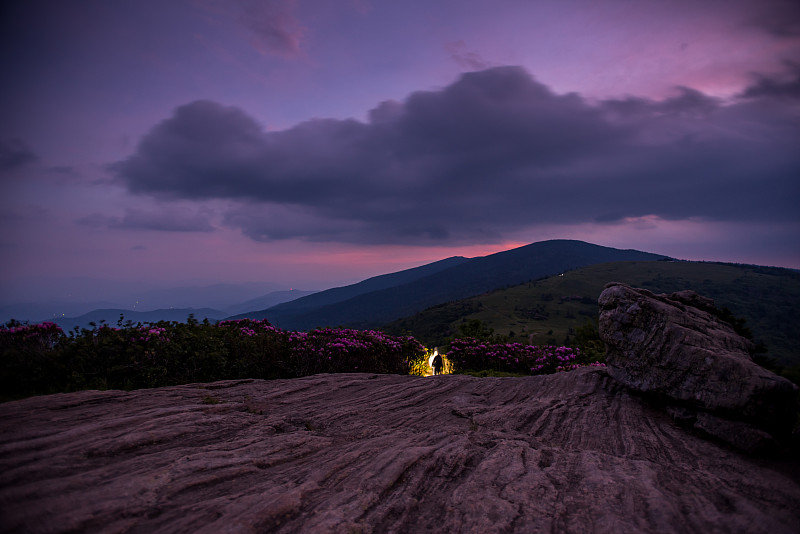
[548,311]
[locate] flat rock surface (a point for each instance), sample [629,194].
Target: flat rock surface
[571,452]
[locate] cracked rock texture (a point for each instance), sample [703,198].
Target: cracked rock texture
[673,347]
[572,452]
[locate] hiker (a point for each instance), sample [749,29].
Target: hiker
[437,362]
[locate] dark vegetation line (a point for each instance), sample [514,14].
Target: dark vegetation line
[41,359]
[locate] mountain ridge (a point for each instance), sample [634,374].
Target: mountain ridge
[269,300]
[375,283]
[466,278]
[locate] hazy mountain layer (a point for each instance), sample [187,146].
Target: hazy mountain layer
[111,316]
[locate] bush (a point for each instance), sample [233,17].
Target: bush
[331,350]
[26,362]
[39,359]
[470,354]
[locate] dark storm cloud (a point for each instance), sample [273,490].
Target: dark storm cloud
[785,86]
[176,220]
[781,18]
[493,152]
[14,154]
[65,170]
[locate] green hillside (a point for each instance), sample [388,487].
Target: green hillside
[549,310]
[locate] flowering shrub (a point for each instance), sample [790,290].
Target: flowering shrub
[147,333]
[476,355]
[43,335]
[25,356]
[253,348]
[331,350]
[42,359]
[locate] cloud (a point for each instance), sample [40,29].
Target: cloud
[198,153]
[464,58]
[781,18]
[14,154]
[176,220]
[65,170]
[273,26]
[492,153]
[780,86]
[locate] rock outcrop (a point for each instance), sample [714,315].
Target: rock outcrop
[676,348]
[572,452]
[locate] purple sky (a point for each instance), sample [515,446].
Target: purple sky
[314,143]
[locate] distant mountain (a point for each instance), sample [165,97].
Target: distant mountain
[49,311]
[111,316]
[227,297]
[382,299]
[216,296]
[267,301]
[283,313]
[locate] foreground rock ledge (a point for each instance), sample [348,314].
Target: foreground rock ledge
[571,452]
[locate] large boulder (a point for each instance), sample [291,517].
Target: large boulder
[677,348]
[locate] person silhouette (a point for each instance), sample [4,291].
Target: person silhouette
[437,362]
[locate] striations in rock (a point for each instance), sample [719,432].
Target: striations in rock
[675,347]
[572,452]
